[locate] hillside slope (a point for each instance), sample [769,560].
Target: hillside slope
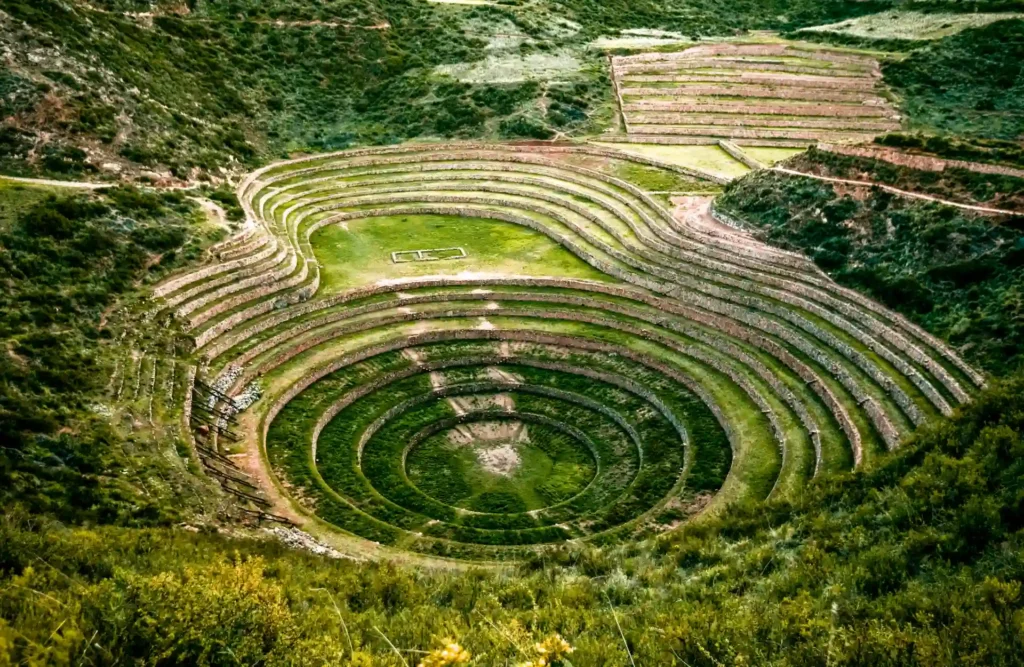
[957,274]
[970,83]
[182,89]
[68,261]
[917,562]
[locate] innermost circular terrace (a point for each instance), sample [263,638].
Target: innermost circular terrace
[694,360]
[500,464]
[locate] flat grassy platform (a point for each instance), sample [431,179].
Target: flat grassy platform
[359,253]
[710,159]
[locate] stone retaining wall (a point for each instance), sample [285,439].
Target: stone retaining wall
[834,110]
[729,351]
[659,240]
[747,90]
[314,375]
[716,322]
[739,120]
[726,369]
[902,399]
[743,65]
[863,84]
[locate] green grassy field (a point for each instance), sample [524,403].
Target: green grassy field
[546,468]
[361,254]
[710,159]
[653,179]
[770,154]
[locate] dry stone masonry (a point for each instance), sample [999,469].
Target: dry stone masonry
[759,94]
[705,362]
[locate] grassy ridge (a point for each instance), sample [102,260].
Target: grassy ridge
[992,151]
[951,184]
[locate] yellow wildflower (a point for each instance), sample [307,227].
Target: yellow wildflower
[550,652]
[450,654]
[554,647]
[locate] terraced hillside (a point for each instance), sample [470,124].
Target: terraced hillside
[481,350]
[756,94]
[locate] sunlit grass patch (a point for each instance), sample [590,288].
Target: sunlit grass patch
[770,154]
[706,158]
[359,253]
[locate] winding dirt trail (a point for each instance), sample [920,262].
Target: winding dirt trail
[214,211]
[87,185]
[897,191]
[76,185]
[694,211]
[919,161]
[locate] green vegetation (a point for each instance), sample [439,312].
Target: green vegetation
[837,38]
[706,18]
[771,155]
[241,82]
[229,83]
[65,261]
[957,275]
[658,180]
[707,159]
[226,199]
[548,467]
[916,562]
[226,83]
[696,310]
[16,198]
[993,151]
[907,25]
[951,184]
[359,253]
[607,436]
[967,84]
[407,480]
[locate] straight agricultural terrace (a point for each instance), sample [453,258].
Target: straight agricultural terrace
[757,94]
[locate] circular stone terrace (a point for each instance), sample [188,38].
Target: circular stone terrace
[479,351]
